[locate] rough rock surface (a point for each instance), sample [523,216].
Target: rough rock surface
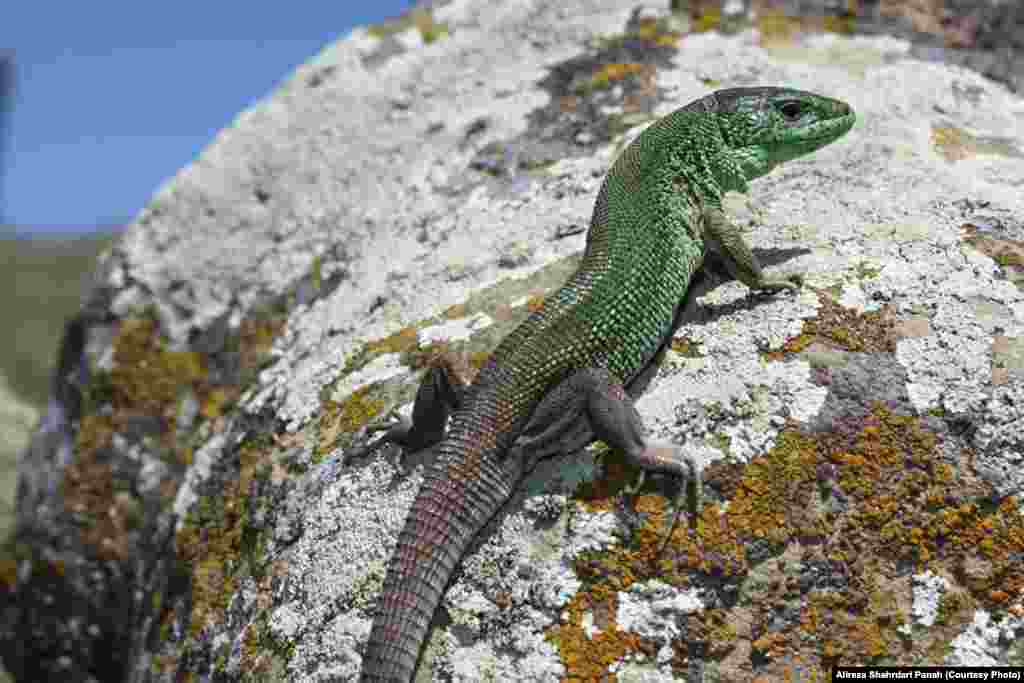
[186,506]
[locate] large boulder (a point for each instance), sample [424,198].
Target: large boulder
[187,506]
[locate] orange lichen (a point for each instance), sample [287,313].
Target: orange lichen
[145,380]
[534,303]
[346,417]
[843,328]
[587,657]
[89,495]
[902,500]
[256,335]
[216,542]
[771,644]
[8,573]
[605,574]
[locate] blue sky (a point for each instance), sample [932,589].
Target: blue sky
[113,97]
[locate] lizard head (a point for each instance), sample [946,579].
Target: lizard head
[766,126]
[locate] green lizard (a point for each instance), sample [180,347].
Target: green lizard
[569,374]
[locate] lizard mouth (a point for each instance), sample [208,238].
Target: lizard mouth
[833,130]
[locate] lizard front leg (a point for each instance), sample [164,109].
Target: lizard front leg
[727,241]
[441,392]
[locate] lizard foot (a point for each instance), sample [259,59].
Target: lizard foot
[392,421]
[440,393]
[396,429]
[791,282]
[689,494]
[671,458]
[626,502]
[631,489]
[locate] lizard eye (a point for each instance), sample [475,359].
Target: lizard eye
[791,110]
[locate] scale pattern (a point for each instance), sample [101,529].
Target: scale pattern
[648,237]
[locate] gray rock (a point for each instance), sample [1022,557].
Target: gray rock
[187,504]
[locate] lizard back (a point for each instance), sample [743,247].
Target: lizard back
[645,244]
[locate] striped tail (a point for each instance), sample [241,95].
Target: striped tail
[466,486]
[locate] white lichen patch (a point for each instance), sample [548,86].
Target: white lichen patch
[1000,440]
[656,610]
[347,535]
[509,592]
[454,330]
[951,366]
[928,591]
[381,368]
[740,398]
[331,652]
[593,530]
[746,330]
[631,672]
[986,641]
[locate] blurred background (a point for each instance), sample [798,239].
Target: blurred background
[100,103]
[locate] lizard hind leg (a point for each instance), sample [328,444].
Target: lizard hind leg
[441,392]
[592,404]
[615,420]
[557,425]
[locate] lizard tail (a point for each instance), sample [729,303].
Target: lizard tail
[460,494]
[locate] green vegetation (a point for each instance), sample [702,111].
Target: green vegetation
[41,284]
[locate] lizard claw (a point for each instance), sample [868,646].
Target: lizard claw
[394,426]
[631,489]
[791,282]
[628,497]
[691,491]
[391,420]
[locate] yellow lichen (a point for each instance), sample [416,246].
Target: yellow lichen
[773,484]
[534,303]
[776,26]
[709,20]
[214,403]
[455,311]
[346,417]
[419,17]
[405,339]
[653,31]
[147,378]
[845,329]
[587,657]
[213,542]
[478,359]
[8,573]
[843,25]
[684,347]
[256,335]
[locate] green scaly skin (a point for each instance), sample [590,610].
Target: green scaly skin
[569,374]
